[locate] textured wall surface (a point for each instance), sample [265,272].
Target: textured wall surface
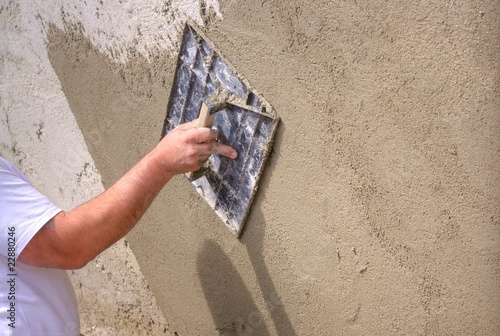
[378,211]
[39,133]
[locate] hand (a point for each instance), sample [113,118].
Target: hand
[76,237]
[186,147]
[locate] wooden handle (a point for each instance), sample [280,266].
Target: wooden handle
[204,119]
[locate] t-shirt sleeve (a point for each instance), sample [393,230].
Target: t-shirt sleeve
[23,209]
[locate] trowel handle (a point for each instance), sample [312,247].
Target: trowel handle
[205,119]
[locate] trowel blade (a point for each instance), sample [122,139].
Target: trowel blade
[248,124]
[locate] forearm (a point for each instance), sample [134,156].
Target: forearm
[97,224]
[73,238]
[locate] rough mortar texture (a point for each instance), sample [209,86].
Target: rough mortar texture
[39,133]
[378,211]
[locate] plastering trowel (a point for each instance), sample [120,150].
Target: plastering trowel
[207,87]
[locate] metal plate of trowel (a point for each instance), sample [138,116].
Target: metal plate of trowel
[207,87]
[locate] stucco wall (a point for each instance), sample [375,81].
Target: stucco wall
[378,211]
[39,133]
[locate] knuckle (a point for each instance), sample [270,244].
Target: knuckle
[192,151]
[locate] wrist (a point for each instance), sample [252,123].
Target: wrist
[159,164]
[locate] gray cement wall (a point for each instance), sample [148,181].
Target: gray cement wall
[378,211]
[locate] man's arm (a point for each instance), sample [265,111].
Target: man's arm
[71,239]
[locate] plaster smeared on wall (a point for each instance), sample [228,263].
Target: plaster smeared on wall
[30,90]
[115,27]
[38,131]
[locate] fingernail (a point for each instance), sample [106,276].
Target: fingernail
[234,155]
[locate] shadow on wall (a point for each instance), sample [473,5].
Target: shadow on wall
[232,307]
[230,302]
[274,305]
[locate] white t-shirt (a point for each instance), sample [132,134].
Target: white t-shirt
[34,301]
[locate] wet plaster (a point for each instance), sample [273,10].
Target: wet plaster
[377,213]
[39,134]
[113,297]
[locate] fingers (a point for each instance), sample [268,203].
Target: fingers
[198,135]
[188,125]
[213,147]
[205,135]
[205,138]
[226,151]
